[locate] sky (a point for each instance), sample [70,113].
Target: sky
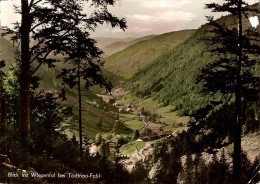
[144,17]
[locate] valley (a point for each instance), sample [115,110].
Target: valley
[156,111]
[133,106]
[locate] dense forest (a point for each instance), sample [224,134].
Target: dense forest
[186,112]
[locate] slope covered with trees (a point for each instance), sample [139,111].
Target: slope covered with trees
[170,79]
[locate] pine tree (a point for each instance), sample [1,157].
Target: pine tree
[52,28]
[230,75]
[3,109]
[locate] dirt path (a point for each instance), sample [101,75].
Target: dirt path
[145,126]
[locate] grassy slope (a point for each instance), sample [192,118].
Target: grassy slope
[171,78]
[131,147]
[131,121]
[91,117]
[134,58]
[165,112]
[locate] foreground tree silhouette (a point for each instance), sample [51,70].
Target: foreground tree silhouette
[231,74]
[85,64]
[47,28]
[3,109]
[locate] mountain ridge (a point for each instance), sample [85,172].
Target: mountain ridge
[121,45]
[134,58]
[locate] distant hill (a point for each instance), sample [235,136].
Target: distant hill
[170,79]
[129,61]
[113,45]
[104,42]
[123,44]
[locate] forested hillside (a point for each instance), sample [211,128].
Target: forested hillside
[170,79]
[134,58]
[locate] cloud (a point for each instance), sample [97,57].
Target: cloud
[172,16]
[139,29]
[157,16]
[167,16]
[141,17]
[7,15]
[253,1]
[160,3]
[165,3]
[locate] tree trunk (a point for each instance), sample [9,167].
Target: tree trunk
[24,73]
[238,122]
[80,114]
[3,114]
[2,110]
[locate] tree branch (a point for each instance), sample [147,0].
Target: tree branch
[39,53]
[35,70]
[32,3]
